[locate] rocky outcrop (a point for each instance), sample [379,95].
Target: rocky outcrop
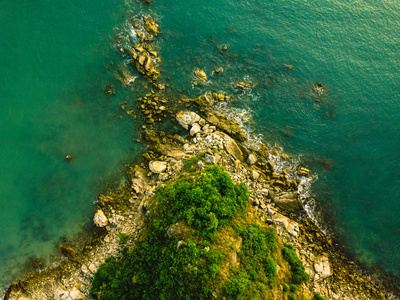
[229,126]
[100,219]
[289,202]
[187,118]
[157,167]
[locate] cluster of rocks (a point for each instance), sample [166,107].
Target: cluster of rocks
[153,107]
[273,202]
[143,56]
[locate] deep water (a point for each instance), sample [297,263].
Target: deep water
[55,63]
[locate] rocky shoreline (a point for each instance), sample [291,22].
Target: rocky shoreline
[213,138]
[274,198]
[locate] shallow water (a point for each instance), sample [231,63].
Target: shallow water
[53,62]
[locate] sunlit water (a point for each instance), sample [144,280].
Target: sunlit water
[54,59]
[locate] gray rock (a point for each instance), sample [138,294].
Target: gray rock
[195,129]
[186,118]
[288,201]
[283,224]
[252,159]
[322,268]
[255,175]
[157,167]
[100,219]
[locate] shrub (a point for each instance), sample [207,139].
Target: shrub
[123,238]
[293,287]
[291,297]
[318,297]
[285,287]
[296,266]
[207,202]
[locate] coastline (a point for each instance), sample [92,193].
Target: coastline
[120,211]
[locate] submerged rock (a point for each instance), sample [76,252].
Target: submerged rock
[200,74]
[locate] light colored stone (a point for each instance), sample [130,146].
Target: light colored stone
[252,159]
[186,118]
[288,201]
[230,145]
[200,74]
[283,224]
[255,175]
[100,219]
[157,167]
[76,294]
[195,129]
[322,268]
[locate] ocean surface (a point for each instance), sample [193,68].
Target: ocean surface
[325,86]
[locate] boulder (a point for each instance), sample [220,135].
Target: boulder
[230,145]
[283,223]
[200,74]
[255,175]
[150,25]
[322,268]
[195,129]
[186,118]
[252,159]
[229,126]
[100,219]
[157,167]
[288,201]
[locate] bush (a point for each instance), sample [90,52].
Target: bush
[123,238]
[296,266]
[291,297]
[285,287]
[293,287]
[318,297]
[157,268]
[206,202]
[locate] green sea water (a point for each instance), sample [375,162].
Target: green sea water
[55,60]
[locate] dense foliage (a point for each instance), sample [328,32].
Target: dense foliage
[164,266]
[296,266]
[258,269]
[206,202]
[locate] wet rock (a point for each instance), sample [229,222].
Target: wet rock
[288,67]
[100,219]
[110,89]
[200,74]
[219,70]
[157,167]
[288,201]
[150,25]
[230,126]
[304,172]
[242,85]
[187,118]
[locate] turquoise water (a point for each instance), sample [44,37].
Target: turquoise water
[52,65]
[52,61]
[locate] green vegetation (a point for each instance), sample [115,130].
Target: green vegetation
[206,201]
[293,287]
[258,272]
[190,163]
[199,242]
[296,266]
[123,238]
[285,287]
[317,297]
[291,297]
